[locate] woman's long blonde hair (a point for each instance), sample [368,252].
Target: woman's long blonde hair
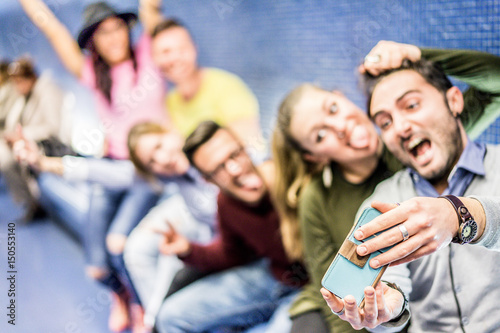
[293,173]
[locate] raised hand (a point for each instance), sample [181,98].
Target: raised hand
[387,55]
[26,151]
[173,243]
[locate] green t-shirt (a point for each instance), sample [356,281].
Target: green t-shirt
[326,215]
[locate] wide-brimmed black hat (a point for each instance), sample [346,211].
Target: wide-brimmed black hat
[94,14]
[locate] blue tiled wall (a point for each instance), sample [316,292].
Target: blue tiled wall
[274,45]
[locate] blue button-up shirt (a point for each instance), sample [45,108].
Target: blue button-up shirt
[199,195]
[469,165]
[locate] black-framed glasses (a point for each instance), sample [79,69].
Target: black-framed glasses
[237,156]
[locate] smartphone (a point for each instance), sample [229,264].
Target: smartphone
[349,273]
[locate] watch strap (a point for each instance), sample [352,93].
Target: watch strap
[462,213]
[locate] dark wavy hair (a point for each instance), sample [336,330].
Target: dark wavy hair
[203,132]
[102,69]
[432,72]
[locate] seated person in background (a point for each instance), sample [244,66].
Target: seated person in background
[252,281]
[38,110]
[199,94]
[127,89]
[329,159]
[157,152]
[8,94]
[455,288]
[204,93]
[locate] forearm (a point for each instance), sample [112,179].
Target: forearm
[150,14]
[486,212]
[57,34]
[478,69]
[51,164]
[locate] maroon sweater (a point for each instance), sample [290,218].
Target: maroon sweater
[247,233]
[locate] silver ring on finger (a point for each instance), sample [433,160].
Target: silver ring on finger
[341,312]
[375,58]
[404,232]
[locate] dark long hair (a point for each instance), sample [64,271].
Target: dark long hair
[102,70]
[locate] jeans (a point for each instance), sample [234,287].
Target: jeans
[150,271]
[114,211]
[243,296]
[93,211]
[67,202]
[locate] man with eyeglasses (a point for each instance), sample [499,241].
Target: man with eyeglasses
[252,280]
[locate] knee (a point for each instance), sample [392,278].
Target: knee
[166,318]
[96,273]
[116,243]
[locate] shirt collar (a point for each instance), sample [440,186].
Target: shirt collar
[472,159]
[469,165]
[193,174]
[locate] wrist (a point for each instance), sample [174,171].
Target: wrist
[404,303]
[186,252]
[476,209]
[467,226]
[51,164]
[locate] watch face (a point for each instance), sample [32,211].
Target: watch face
[469,231]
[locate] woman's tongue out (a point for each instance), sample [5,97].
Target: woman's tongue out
[360,137]
[251,181]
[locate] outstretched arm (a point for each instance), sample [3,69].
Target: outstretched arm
[431,224]
[58,35]
[150,14]
[28,153]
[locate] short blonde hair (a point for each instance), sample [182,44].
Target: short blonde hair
[134,135]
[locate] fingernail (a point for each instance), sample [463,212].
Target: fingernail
[358,234]
[362,250]
[375,263]
[369,292]
[349,302]
[325,295]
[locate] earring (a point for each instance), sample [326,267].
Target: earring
[327,176]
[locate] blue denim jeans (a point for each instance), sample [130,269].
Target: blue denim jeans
[92,211]
[152,272]
[67,202]
[243,296]
[115,211]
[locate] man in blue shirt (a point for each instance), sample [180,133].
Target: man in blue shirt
[454,289]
